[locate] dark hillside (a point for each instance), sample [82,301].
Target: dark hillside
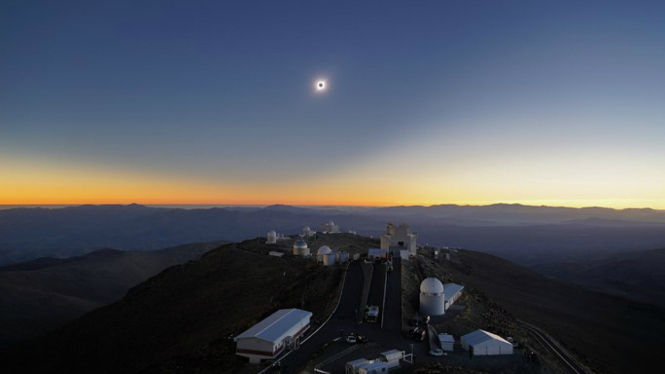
[636,275]
[615,334]
[41,295]
[179,320]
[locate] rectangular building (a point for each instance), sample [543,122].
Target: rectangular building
[268,338]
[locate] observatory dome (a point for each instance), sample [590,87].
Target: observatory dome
[431,285]
[300,244]
[272,233]
[324,250]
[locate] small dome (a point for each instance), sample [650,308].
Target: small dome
[324,250]
[300,244]
[431,285]
[306,228]
[331,223]
[272,233]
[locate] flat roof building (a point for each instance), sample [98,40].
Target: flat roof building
[268,338]
[452,292]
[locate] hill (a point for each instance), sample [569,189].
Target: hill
[615,334]
[40,295]
[635,275]
[178,321]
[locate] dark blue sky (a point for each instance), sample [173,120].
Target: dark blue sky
[216,95]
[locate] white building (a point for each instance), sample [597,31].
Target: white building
[300,248]
[352,367]
[392,355]
[329,259]
[307,232]
[330,228]
[452,291]
[271,238]
[323,250]
[432,301]
[342,257]
[447,342]
[399,237]
[377,253]
[268,338]
[483,343]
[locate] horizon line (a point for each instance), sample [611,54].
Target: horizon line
[211,205]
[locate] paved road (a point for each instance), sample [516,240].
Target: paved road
[344,319]
[553,347]
[392,317]
[377,289]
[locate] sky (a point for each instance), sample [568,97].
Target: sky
[429,102]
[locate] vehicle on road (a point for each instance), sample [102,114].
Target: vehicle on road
[436,352]
[351,339]
[361,338]
[372,313]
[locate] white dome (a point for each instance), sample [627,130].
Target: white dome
[431,285]
[272,233]
[300,244]
[324,250]
[331,223]
[306,228]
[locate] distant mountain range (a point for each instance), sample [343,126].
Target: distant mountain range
[40,295]
[528,235]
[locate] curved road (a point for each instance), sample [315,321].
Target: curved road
[549,344]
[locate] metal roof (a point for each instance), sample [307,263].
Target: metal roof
[446,338]
[274,327]
[480,336]
[451,289]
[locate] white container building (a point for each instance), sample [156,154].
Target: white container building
[483,343]
[268,338]
[352,367]
[378,367]
[432,300]
[447,342]
[392,355]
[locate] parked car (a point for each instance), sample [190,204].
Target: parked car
[351,339]
[436,352]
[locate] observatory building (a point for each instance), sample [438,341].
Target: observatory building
[271,238]
[324,250]
[307,232]
[268,338]
[300,248]
[432,301]
[330,228]
[399,238]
